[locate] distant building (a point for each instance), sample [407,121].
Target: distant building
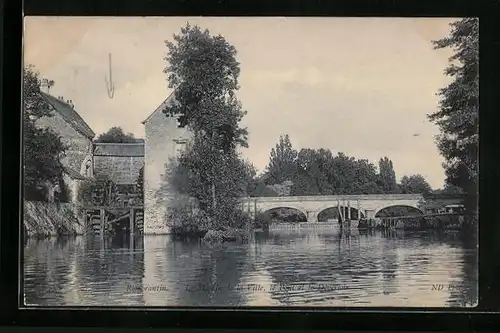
[120,162]
[76,135]
[164,140]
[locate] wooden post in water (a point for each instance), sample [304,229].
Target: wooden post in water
[348,209]
[132,224]
[103,223]
[255,209]
[359,211]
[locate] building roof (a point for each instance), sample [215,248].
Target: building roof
[70,115]
[160,108]
[119,149]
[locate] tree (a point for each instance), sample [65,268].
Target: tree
[457,116]
[42,147]
[415,184]
[204,72]
[116,135]
[282,162]
[387,176]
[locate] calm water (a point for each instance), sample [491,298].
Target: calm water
[288,268]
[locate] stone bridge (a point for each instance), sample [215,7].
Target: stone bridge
[352,206]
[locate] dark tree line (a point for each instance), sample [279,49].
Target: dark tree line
[458,113]
[319,172]
[116,135]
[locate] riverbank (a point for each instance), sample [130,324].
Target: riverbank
[42,220]
[447,222]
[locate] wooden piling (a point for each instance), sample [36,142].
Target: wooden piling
[132,224]
[102,220]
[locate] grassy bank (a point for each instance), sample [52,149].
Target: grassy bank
[232,226]
[41,220]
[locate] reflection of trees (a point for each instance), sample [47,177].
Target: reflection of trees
[390,267]
[207,276]
[112,267]
[306,261]
[466,293]
[46,269]
[78,271]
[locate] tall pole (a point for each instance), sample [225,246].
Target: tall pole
[359,211]
[214,202]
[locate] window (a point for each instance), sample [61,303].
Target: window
[180,145]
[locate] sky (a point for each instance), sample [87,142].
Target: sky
[362,86]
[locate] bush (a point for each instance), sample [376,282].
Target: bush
[184,218]
[262,221]
[214,236]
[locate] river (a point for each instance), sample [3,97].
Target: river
[282,268]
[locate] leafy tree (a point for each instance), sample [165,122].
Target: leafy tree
[262,190]
[204,72]
[116,135]
[282,162]
[42,147]
[457,116]
[415,184]
[387,176]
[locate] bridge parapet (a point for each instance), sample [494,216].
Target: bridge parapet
[352,197]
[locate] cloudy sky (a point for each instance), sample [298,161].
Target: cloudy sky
[362,86]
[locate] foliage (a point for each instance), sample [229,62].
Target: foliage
[260,189]
[42,147]
[387,176]
[185,219]
[262,220]
[457,116]
[204,72]
[319,172]
[415,184]
[449,189]
[282,162]
[116,135]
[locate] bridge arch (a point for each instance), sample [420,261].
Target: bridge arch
[398,210]
[300,214]
[326,211]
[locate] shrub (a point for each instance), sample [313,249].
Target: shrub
[262,221]
[184,218]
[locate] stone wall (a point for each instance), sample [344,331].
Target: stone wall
[79,146]
[163,141]
[41,219]
[120,169]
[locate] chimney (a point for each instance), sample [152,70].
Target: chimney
[44,86]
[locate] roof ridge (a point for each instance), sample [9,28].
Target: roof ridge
[78,124]
[170,96]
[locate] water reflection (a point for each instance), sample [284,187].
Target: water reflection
[298,267]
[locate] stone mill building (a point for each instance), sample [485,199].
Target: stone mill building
[164,140]
[85,159]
